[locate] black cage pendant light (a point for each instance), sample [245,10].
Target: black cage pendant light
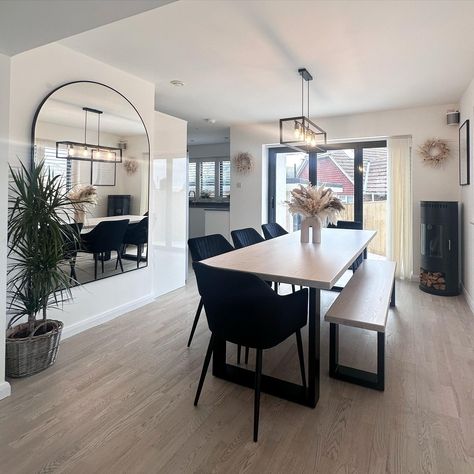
[87,151]
[300,133]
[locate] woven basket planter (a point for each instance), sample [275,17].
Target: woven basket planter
[30,355]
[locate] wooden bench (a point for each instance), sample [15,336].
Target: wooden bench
[363,303]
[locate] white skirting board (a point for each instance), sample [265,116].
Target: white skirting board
[5,390]
[468,298]
[102,318]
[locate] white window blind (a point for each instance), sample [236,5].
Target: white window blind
[208,178]
[224,178]
[192,172]
[58,166]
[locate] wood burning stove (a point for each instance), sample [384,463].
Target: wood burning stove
[439,272]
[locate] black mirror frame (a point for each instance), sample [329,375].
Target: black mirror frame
[32,149]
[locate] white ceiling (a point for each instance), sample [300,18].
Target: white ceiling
[65,107]
[27,24]
[239,58]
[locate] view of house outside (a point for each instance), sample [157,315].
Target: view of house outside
[336,171]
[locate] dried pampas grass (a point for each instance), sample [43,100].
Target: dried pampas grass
[311,201]
[434,152]
[243,162]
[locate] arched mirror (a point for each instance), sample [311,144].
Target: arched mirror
[94,138]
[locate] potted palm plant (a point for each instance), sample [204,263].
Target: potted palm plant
[39,214]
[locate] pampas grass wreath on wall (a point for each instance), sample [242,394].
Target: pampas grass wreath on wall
[243,162]
[434,152]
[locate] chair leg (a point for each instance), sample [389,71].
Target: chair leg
[95,266]
[207,359]
[246,355]
[293,289]
[196,319]
[102,258]
[119,258]
[239,352]
[258,379]
[299,343]
[139,254]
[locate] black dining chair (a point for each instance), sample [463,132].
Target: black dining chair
[245,237]
[242,309]
[272,230]
[136,234]
[71,245]
[202,248]
[105,237]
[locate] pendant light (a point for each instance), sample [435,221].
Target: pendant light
[300,133]
[86,151]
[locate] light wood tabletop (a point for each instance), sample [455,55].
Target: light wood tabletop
[285,259]
[91,222]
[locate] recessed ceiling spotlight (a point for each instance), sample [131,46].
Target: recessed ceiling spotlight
[177,83]
[210,120]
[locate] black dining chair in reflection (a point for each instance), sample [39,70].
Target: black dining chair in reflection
[136,234]
[71,245]
[202,248]
[105,237]
[273,230]
[242,309]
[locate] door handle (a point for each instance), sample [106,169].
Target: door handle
[449,245]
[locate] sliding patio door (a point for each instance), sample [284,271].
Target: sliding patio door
[356,172]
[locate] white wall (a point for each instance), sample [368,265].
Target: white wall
[169,194]
[467,112]
[248,205]
[33,75]
[4,127]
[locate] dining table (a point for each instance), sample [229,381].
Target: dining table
[91,222]
[286,259]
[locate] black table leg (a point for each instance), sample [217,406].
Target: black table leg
[314,326]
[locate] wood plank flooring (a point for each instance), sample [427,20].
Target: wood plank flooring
[120,400]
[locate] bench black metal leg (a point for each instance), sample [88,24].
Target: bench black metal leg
[356,376]
[333,348]
[380,361]
[392,298]
[299,343]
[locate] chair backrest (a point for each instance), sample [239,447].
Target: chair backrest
[241,308]
[71,238]
[272,230]
[346,225]
[245,237]
[208,246]
[137,233]
[106,236]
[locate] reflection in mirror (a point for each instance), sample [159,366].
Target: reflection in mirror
[93,138]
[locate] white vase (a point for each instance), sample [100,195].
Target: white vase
[311,225]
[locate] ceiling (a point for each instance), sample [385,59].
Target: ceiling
[65,107]
[239,59]
[27,24]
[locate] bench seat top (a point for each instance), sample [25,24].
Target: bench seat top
[364,301]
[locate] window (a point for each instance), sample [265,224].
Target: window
[58,166]
[209,178]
